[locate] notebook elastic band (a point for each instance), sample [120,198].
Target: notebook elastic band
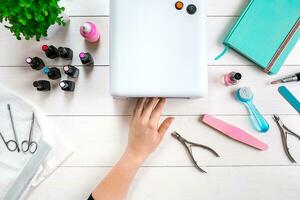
[282,46]
[223,53]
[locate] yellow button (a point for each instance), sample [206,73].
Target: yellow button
[179,5]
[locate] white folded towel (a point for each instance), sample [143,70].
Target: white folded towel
[12,163]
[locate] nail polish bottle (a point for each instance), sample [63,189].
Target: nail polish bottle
[68,86]
[89,31]
[50,51]
[232,78]
[86,59]
[35,63]
[42,85]
[53,73]
[71,71]
[65,53]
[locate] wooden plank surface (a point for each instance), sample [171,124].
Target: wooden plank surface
[70,37]
[178,183]
[101,134]
[80,8]
[92,93]
[99,141]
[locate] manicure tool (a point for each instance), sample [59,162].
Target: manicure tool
[13,127]
[185,143]
[245,96]
[29,145]
[294,78]
[11,145]
[284,133]
[289,97]
[233,132]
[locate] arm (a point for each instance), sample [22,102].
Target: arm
[145,135]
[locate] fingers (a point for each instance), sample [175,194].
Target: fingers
[164,126]
[149,108]
[150,105]
[139,107]
[156,113]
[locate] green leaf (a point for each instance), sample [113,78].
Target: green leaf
[23,21]
[30,18]
[22,3]
[28,15]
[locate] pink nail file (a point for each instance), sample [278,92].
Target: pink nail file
[234,132]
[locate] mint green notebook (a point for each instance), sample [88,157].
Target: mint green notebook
[266,32]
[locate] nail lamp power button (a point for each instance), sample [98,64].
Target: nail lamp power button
[179,5]
[191,9]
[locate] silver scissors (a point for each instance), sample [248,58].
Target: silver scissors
[284,133]
[11,145]
[29,145]
[188,146]
[14,131]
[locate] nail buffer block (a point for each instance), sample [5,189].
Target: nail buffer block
[234,132]
[290,98]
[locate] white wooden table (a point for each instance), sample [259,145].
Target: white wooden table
[97,124]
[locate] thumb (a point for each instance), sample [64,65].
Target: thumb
[164,126]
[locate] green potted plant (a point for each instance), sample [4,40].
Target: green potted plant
[30,18]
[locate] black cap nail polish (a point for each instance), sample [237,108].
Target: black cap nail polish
[86,59]
[65,53]
[53,73]
[71,71]
[35,63]
[68,86]
[42,85]
[50,51]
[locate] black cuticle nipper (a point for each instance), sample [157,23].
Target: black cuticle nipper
[188,146]
[284,133]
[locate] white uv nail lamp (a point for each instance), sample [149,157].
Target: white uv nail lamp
[157,48]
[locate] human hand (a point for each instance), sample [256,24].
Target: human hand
[145,133]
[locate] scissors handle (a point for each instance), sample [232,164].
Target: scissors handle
[25,146]
[7,144]
[29,146]
[33,147]
[12,145]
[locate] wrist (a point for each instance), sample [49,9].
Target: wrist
[134,157]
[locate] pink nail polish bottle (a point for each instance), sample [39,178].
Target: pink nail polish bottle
[89,31]
[232,78]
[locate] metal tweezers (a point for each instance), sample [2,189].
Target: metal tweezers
[284,132]
[185,143]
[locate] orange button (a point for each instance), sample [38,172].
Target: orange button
[179,5]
